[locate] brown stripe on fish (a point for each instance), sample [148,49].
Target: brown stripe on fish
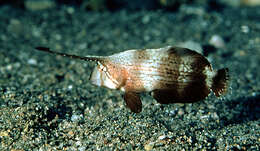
[188,82]
[167,89]
[196,87]
[169,67]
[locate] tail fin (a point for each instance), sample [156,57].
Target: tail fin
[220,82]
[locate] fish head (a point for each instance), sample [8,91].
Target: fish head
[100,76]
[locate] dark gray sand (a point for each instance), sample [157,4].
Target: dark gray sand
[48,103]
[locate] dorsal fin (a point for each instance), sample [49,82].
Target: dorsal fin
[86,58]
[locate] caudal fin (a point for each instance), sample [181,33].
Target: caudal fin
[220,82]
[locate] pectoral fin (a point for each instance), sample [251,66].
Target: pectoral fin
[133,101]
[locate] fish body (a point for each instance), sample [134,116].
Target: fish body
[171,74]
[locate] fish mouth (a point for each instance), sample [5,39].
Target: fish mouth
[95,77]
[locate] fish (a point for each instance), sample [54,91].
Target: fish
[170,74]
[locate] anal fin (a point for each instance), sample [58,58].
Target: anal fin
[190,94]
[165,96]
[133,101]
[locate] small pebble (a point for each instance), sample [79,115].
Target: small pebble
[250,2]
[9,67]
[244,29]
[149,146]
[70,10]
[146,19]
[32,61]
[70,87]
[33,5]
[75,118]
[217,41]
[180,112]
[78,143]
[162,137]
[82,148]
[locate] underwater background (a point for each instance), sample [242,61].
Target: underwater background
[48,103]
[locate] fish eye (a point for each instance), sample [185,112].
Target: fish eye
[102,67]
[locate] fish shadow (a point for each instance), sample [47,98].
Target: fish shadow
[241,110]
